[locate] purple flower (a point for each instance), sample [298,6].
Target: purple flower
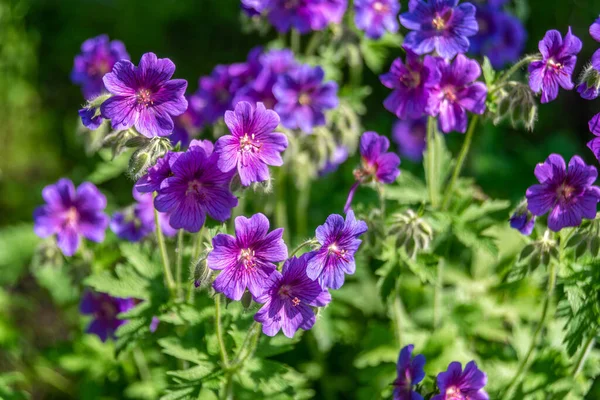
[328,12]
[594,144]
[568,195]
[97,58]
[90,118]
[188,124]
[410,137]
[288,299]
[302,97]
[160,171]
[457,93]
[556,66]
[440,25]
[339,156]
[216,92]
[246,260]
[375,17]
[254,7]
[455,384]
[410,373]
[412,83]
[523,221]
[70,214]
[145,97]
[252,145]
[501,37]
[589,88]
[595,34]
[196,188]
[305,15]
[339,241]
[105,309]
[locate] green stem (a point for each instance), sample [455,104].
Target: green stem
[178,265]
[252,337]
[461,160]
[142,365]
[438,294]
[512,70]
[301,245]
[295,41]
[302,210]
[280,204]
[163,252]
[397,311]
[585,352]
[524,365]
[219,328]
[314,43]
[431,175]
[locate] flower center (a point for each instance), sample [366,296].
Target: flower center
[249,144]
[453,393]
[144,97]
[565,192]
[379,7]
[193,187]
[106,311]
[411,80]
[334,250]
[553,64]
[449,93]
[438,22]
[247,258]
[304,99]
[71,216]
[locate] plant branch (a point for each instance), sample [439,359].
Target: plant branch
[163,252]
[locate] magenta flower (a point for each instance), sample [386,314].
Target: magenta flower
[97,58]
[302,98]
[252,145]
[246,260]
[412,84]
[457,93]
[410,373]
[289,298]
[105,310]
[70,214]
[375,17]
[440,25]
[410,136]
[197,187]
[568,195]
[457,384]
[150,182]
[339,241]
[145,96]
[377,164]
[556,66]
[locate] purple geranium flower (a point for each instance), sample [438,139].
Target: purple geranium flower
[327,12]
[410,136]
[145,97]
[455,383]
[302,97]
[105,309]
[254,7]
[246,260]
[523,221]
[589,88]
[375,17]
[305,15]
[568,195]
[196,188]
[338,157]
[217,91]
[410,373]
[594,144]
[70,214]
[252,145]
[91,117]
[440,25]
[412,83]
[377,164]
[188,124]
[97,58]
[556,66]
[595,34]
[457,93]
[288,299]
[150,182]
[339,241]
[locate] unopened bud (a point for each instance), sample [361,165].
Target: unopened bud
[139,162]
[516,103]
[202,273]
[246,300]
[589,83]
[411,231]
[522,220]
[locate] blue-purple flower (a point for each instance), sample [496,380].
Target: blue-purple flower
[337,158]
[254,7]
[105,309]
[556,66]
[91,117]
[375,17]
[457,93]
[253,145]
[150,182]
[248,259]
[595,34]
[145,96]
[217,91]
[594,144]
[440,25]
[455,384]
[97,58]
[589,88]
[288,299]
[188,124]
[196,187]
[339,242]
[522,220]
[305,15]
[568,195]
[410,136]
[412,83]
[410,373]
[302,98]
[70,214]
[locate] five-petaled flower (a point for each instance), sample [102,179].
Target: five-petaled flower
[410,373]
[105,310]
[375,17]
[456,384]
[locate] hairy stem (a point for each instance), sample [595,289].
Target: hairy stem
[524,365]
[295,41]
[504,77]
[461,160]
[219,328]
[163,252]
[179,263]
[431,175]
[314,43]
[308,242]
[281,218]
[585,352]
[397,313]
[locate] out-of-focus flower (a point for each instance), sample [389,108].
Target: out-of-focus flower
[410,373]
[410,136]
[375,17]
[104,308]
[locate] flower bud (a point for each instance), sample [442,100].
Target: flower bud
[202,274]
[589,83]
[516,102]
[411,232]
[522,220]
[540,252]
[246,300]
[139,162]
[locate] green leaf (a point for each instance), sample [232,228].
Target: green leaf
[489,75]
[110,169]
[17,245]
[174,347]
[144,265]
[375,52]
[194,374]
[408,190]
[442,163]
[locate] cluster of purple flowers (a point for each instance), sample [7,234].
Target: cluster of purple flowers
[247,261]
[453,384]
[297,92]
[590,89]
[301,15]
[501,36]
